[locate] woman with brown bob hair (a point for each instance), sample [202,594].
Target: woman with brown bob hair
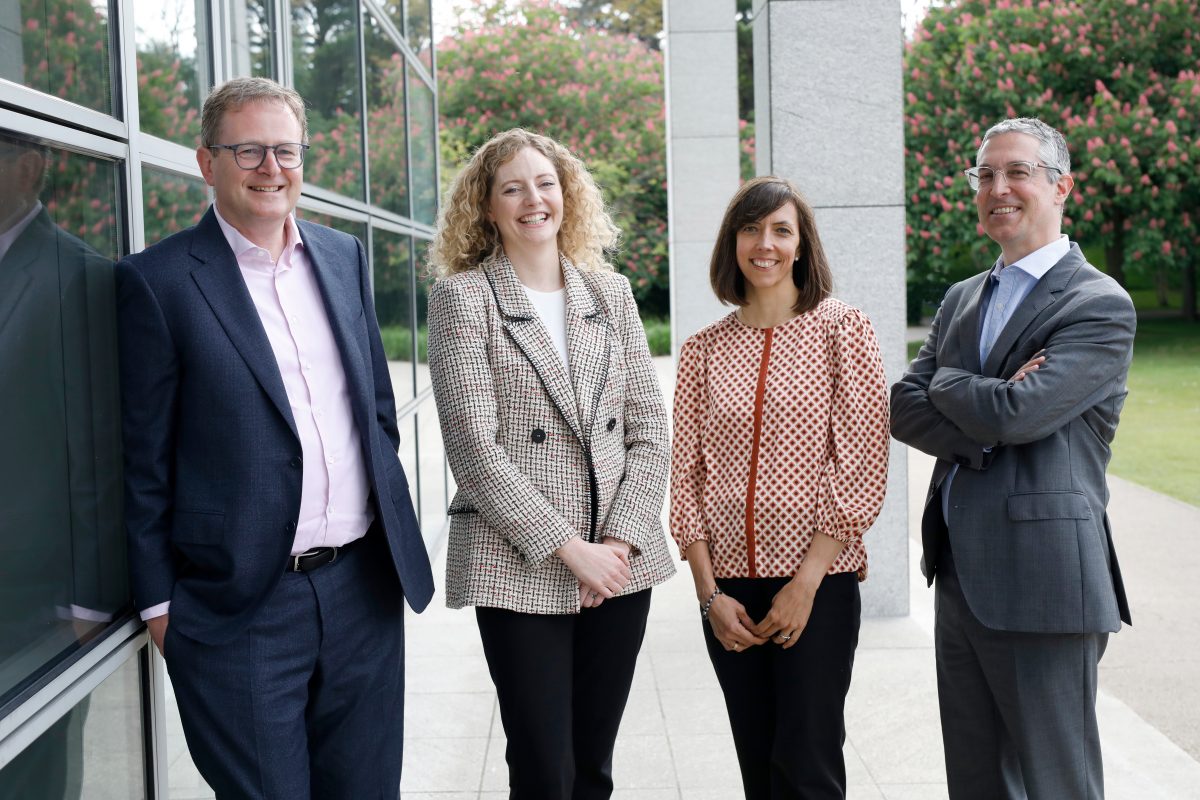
[779,465]
[556,431]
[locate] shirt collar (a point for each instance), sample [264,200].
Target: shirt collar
[1039,262]
[242,246]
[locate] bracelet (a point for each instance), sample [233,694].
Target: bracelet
[708,603]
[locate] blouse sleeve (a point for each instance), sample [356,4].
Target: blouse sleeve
[687,454]
[855,477]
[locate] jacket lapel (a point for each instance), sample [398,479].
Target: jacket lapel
[17,267]
[1042,295]
[522,323]
[220,281]
[588,342]
[968,326]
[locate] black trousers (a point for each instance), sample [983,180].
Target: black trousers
[787,707]
[562,681]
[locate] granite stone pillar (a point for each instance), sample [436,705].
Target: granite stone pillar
[828,116]
[702,150]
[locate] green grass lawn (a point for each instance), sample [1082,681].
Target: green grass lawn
[1158,441]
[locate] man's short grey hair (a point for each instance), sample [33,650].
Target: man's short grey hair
[1052,146]
[235,93]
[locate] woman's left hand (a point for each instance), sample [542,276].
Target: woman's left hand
[789,613]
[588,598]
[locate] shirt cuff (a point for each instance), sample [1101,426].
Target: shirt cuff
[155,611]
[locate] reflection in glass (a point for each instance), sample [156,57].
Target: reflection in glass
[423,132]
[393,305]
[62,548]
[356,229]
[252,25]
[173,67]
[386,134]
[424,284]
[418,27]
[60,47]
[172,203]
[98,744]
[326,71]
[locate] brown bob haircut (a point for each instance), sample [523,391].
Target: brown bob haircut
[754,200]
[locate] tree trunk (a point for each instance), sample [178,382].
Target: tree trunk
[1189,290]
[1162,287]
[1114,253]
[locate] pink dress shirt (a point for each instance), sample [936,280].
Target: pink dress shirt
[335,507]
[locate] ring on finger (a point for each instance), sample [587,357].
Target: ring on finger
[783,637]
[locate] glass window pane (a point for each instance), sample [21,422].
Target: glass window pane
[326,71]
[424,284]
[418,28]
[393,305]
[253,25]
[171,202]
[97,745]
[60,48]
[423,131]
[62,547]
[408,456]
[434,500]
[356,229]
[386,134]
[173,67]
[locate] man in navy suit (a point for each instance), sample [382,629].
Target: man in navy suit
[271,534]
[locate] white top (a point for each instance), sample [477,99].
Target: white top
[552,308]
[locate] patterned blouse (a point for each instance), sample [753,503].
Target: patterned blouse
[779,433]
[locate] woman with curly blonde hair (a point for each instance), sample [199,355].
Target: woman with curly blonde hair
[556,432]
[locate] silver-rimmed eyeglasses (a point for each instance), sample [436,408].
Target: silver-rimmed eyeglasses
[1016,172]
[249,155]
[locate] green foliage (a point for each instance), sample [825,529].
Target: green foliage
[658,335]
[1119,78]
[600,94]
[1159,436]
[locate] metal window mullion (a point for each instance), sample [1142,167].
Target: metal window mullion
[23,97]
[364,162]
[284,59]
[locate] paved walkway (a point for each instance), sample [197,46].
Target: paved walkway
[675,742]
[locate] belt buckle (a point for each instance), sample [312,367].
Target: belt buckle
[296,562]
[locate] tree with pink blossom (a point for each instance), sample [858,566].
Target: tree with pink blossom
[598,92]
[1120,79]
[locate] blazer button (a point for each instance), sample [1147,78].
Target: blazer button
[538,436]
[297,461]
[291,527]
[612,423]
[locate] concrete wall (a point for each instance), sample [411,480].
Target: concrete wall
[11,47]
[702,150]
[828,115]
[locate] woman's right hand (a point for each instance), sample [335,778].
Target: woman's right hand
[731,624]
[599,568]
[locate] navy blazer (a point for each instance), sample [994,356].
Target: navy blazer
[213,463]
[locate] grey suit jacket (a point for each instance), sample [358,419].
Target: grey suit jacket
[540,455]
[1027,521]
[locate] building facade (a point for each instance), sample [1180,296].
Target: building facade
[99,117]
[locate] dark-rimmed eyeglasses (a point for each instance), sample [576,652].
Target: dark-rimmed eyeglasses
[1016,172]
[249,155]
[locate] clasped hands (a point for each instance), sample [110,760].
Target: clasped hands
[602,568]
[783,624]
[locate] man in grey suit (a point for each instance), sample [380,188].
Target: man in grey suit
[1017,391]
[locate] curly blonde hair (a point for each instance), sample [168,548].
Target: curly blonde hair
[464,235]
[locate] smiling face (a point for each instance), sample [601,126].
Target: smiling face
[255,201]
[766,252]
[526,203]
[1020,217]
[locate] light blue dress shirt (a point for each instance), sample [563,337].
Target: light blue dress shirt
[1010,286]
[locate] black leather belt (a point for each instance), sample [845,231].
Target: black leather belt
[316,557]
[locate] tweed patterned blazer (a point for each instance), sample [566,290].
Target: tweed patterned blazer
[541,455]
